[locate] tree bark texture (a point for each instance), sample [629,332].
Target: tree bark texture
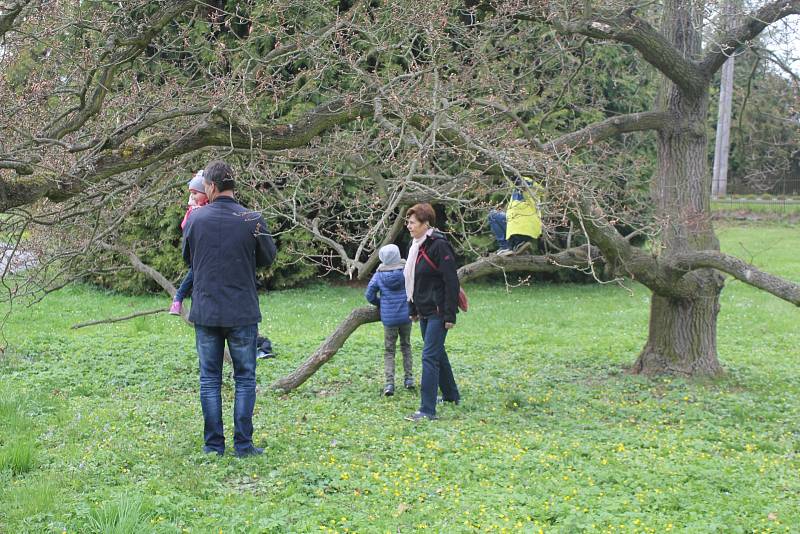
[682,338]
[682,333]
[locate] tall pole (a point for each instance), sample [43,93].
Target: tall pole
[719,179]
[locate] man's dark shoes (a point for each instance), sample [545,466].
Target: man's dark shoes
[209,450]
[419,416]
[388,391]
[455,402]
[250,451]
[409,383]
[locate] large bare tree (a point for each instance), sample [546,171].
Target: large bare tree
[684,266]
[401,101]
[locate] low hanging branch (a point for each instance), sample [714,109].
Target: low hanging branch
[783,289]
[575,257]
[143,268]
[571,258]
[218,130]
[611,127]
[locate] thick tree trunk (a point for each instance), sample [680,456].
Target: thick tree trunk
[683,329]
[683,321]
[683,334]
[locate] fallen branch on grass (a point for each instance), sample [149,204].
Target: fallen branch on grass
[329,347]
[118,319]
[577,257]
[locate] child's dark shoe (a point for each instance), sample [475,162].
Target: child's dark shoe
[388,391]
[419,416]
[409,383]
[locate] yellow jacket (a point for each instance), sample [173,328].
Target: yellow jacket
[522,213]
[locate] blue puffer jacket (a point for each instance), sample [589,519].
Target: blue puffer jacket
[392,301]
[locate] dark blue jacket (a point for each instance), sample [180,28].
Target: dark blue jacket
[224,243]
[435,286]
[392,302]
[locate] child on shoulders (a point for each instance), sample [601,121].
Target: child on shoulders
[197,199]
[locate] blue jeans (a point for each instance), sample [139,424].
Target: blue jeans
[185,288]
[210,349]
[436,371]
[499,224]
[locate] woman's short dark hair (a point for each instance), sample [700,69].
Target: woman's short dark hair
[423,212]
[221,174]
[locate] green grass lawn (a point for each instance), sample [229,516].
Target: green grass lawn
[100,428]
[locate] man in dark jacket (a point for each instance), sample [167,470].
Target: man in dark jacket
[224,243]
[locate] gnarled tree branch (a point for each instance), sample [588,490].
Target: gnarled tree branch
[577,257]
[220,133]
[623,258]
[118,56]
[10,14]
[599,131]
[654,47]
[328,348]
[142,267]
[740,270]
[22,168]
[752,25]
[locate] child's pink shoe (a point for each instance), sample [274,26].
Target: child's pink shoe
[176,307]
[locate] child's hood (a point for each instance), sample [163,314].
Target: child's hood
[400,263]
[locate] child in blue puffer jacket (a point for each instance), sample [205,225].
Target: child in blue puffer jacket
[388,281]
